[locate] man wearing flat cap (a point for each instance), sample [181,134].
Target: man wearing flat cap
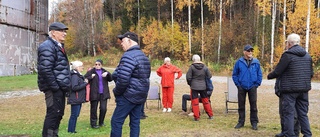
[131,86]
[53,77]
[247,76]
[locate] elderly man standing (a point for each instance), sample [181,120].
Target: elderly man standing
[294,72]
[247,76]
[53,77]
[131,86]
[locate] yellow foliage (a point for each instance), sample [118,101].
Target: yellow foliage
[70,38]
[110,31]
[265,5]
[173,42]
[256,51]
[184,3]
[297,24]
[315,48]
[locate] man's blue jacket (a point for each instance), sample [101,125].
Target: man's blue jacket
[247,76]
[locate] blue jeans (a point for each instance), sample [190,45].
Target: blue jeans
[75,111]
[122,110]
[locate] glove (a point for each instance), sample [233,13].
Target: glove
[104,74]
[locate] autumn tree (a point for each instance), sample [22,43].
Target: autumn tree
[297,23]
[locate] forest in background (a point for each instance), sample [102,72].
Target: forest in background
[217,30]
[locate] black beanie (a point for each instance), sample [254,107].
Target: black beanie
[99,60]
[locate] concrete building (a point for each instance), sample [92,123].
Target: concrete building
[23,25]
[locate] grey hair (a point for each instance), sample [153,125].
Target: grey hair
[196,58]
[167,59]
[50,33]
[75,64]
[293,39]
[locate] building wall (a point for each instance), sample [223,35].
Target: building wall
[19,25]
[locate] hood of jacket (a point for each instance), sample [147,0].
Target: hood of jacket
[297,50]
[198,66]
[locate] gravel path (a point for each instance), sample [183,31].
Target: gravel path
[154,79]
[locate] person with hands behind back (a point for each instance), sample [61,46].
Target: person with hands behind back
[99,93]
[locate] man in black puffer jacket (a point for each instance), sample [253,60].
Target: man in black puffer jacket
[53,77]
[294,72]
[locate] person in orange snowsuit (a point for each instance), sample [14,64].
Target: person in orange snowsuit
[167,73]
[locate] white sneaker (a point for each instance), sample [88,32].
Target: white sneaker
[164,110]
[190,114]
[169,110]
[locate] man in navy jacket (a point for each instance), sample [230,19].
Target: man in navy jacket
[131,86]
[54,77]
[247,76]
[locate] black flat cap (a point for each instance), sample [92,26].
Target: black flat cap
[57,26]
[130,35]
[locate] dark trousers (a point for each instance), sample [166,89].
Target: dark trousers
[55,103]
[75,111]
[252,94]
[298,102]
[185,98]
[122,110]
[93,111]
[296,122]
[142,110]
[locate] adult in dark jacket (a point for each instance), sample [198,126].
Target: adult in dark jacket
[77,94]
[99,92]
[247,76]
[53,77]
[196,78]
[294,72]
[296,123]
[131,86]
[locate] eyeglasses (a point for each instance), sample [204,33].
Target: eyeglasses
[64,31]
[249,50]
[98,64]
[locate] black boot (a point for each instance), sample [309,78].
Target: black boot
[239,125]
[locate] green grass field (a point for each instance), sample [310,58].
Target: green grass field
[24,82]
[25,115]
